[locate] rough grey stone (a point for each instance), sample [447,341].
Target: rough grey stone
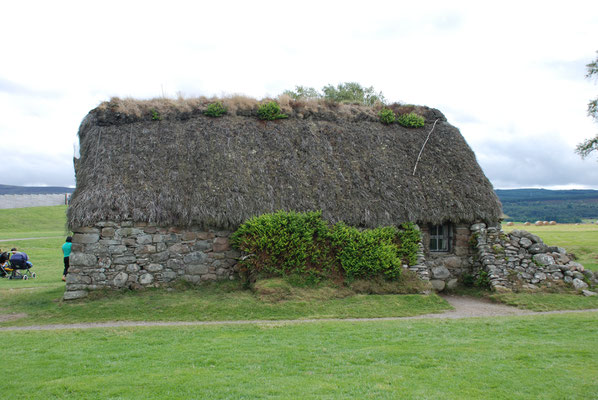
[132,268]
[557,275]
[154,268]
[195,257]
[168,275]
[125,260]
[86,238]
[543,259]
[197,269]
[120,249]
[589,293]
[437,284]
[452,284]
[477,227]
[144,239]
[440,272]
[146,279]
[195,279]
[540,276]
[83,259]
[579,284]
[452,262]
[578,275]
[74,294]
[120,279]
[538,248]
[160,257]
[525,242]
[125,232]
[109,242]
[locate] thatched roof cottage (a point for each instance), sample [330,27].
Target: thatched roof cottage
[160,185]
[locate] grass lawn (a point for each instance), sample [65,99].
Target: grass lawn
[43,306]
[532,357]
[581,240]
[546,301]
[32,222]
[538,357]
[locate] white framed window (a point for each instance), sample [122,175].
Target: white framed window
[440,237]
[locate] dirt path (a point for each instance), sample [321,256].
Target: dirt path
[465,307]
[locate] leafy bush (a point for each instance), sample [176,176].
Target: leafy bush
[283,243]
[215,110]
[411,120]
[366,253]
[302,244]
[270,111]
[352,92]
[155,115]
[347,92]
[387,116]
[303,93]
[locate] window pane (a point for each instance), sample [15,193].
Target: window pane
[433,244]
[440,244]
[440,229]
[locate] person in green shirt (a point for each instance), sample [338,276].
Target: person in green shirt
[66,251]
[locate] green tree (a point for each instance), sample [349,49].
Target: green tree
[303,92]
[352,92]
[586,147]
[347,92]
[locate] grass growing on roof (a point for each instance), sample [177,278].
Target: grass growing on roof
[548,357]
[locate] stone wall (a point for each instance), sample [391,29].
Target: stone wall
[521,260]
[128,255]
[32,200]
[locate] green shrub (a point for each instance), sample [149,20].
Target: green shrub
[302,244]
[270,111]
[283,243]
[411,120]
[155,115]
[366,253]
[387,116]
[215,110]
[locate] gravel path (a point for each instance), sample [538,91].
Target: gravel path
[465,307]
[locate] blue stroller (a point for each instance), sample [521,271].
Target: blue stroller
[18,267]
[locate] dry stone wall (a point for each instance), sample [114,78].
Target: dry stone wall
[137,255]
[521,260]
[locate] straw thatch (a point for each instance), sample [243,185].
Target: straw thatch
[187,168]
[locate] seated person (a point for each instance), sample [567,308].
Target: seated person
[4,256]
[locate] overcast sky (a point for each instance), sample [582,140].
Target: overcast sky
[510,75]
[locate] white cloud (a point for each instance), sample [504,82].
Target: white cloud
[509,74]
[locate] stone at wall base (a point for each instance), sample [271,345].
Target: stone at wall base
[452,284]
[74,294]
[501,289]
[438,285]
[589,293]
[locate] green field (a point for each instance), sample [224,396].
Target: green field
[533,357]
[581,240]
[537,357]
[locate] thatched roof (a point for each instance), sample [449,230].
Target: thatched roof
[187,168]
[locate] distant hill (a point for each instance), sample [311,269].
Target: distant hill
[9,189]
[563,206]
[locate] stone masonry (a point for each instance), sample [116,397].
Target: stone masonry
[137,255]
[520,260]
